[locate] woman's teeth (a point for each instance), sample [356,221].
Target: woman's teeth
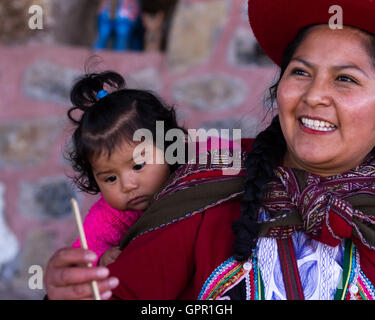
[318,125]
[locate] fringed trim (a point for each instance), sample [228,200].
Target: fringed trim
[229,274]
[354,284]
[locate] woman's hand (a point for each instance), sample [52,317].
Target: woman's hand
[67,276]
[109,256]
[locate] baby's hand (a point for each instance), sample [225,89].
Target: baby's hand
[109,256]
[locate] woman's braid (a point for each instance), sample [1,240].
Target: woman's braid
[267,152]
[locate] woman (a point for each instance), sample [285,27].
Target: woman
[306,226]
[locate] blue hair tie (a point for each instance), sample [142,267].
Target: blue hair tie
[101,94]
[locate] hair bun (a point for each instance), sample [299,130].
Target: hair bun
[84,92]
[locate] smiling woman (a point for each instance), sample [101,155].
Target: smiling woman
[311,173]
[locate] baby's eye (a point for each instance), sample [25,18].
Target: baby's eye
[139,166]
[110,179]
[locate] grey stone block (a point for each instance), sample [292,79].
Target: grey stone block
[211,92]
[48,198]
[48,81]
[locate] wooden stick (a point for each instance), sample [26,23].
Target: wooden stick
[77,215]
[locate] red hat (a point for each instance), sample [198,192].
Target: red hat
[275,23]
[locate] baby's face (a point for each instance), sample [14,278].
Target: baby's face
[124,183]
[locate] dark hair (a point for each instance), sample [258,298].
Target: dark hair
[267,152]
[107,122]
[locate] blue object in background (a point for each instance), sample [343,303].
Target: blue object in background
[125,26]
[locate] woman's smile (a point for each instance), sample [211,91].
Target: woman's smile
[315,126]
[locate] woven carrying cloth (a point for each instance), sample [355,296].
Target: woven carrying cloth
[330,209]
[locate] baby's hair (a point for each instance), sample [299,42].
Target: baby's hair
[107,122]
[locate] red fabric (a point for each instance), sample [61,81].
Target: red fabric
[275,23]
[338,226]
[367,257]
[174,262]
[343,230]
[216,173]
[247,143]
[326,237]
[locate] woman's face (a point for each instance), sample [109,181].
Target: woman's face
[326,101]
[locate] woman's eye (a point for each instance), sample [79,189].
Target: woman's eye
[299,72]
[346,79]
[139,166]
[110,179]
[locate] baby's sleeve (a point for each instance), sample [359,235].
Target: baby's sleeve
[104,227]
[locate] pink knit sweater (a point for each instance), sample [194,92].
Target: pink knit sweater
[104,227]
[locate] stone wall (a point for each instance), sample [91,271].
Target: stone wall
[212,71]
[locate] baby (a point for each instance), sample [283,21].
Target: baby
[105,157]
